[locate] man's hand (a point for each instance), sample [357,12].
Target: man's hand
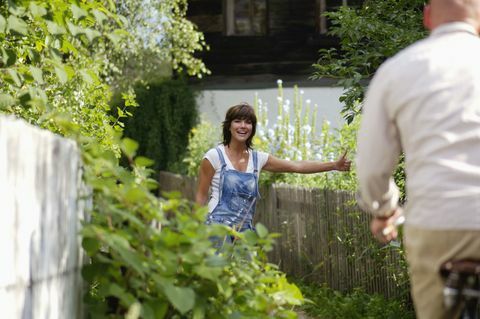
[343,164]
[384,229]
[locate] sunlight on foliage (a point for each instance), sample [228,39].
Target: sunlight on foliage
[148,257]
[368,36]
[292,136]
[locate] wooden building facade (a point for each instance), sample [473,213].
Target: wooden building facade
[250,37]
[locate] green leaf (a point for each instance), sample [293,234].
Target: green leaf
[69,70]
[6,100]
[157,309]
[92,34]
[36,10]
[134,195]
[3,24]
[92,271]
[209,273]
[78,12]
[37,74]
[143,161]
[15,77]
[262,231]
[61,74]
[115,290]
[34,55]
[86,76]
[74,30]
[99,16]
[182,298]
[15,9]
[9,57]
[129,147]
[54,28]
[91,245]
[17,25]
[25,96]
[216,261]
[121,245]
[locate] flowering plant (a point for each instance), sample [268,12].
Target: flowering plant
[293,135]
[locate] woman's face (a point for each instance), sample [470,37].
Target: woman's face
[241,129]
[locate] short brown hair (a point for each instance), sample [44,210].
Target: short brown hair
[243,111]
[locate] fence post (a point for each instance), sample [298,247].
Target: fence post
[40,248]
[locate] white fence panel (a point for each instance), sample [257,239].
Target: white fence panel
[40,216]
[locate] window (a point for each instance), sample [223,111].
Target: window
[246,17]
[331,5]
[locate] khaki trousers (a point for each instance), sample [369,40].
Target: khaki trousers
[426,250]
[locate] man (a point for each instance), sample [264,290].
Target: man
[425,101]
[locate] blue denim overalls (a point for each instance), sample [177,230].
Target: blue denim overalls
[238,192]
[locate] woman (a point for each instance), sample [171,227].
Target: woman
[232,169]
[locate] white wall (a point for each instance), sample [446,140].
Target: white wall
[214,103]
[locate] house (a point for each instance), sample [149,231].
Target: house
[255,42]
[249,38]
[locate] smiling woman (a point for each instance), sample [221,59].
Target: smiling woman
[232,170]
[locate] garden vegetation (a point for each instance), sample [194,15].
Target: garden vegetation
[148,257]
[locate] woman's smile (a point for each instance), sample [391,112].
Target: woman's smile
[241,129]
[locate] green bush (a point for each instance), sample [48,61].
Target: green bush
[325,303]
[368,36]
[161,123]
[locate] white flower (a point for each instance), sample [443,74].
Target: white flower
[279,82]
[302,91]
[286,107]
[308,101]
[307,129]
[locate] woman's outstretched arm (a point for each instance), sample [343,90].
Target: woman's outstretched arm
[278,165]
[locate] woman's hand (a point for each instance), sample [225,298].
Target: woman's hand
[343,164]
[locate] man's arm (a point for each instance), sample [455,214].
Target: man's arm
[378,148]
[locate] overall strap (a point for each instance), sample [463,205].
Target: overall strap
[255,162]
[220,155]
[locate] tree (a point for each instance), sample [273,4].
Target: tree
[161,40]
[368,36]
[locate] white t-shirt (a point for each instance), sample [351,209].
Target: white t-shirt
[214,159]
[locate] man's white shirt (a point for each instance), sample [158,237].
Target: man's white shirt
[426,102]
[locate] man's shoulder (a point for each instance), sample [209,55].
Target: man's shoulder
[405,56]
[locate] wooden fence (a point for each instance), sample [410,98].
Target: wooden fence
[324,237]
[40,249]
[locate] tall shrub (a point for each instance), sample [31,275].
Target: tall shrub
[167,112]
[368,36]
